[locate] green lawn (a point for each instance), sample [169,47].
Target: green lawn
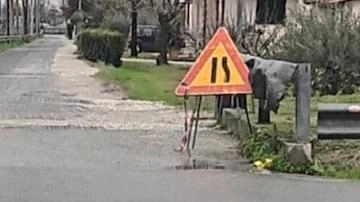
[8,45]
[142,55]
[146,81]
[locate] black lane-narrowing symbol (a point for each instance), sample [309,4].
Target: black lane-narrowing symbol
[225,67]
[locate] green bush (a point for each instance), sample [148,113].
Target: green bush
[331,44]
[261,146]
[104,45]
[116,23]
[78,16]
[28,38]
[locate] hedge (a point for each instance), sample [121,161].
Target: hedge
[104,45]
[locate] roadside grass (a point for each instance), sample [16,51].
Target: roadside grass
[146,81]
[339,159]
[6,46]
[142,55]
[13,44]
[347,173]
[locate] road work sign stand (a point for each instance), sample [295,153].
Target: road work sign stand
[219,70]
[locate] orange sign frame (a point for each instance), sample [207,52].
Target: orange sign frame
[223,38]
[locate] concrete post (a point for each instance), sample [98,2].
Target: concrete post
[303,95]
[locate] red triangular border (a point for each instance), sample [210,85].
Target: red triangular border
[221,36]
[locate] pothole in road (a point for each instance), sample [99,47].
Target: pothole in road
[199,165]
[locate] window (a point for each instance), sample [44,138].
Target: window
[270,11]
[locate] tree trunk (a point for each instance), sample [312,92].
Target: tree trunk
[35,17]
[217,5]
[223,4]
[32,8]
[164,39]
[204,23]
[25,16]
[134,51]
[17,17]
[7,17]
[11,17]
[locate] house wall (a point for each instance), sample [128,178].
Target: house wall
[238,11]
[355,6]
[244,12]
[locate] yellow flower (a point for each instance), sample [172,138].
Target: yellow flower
[268,162]
[259,165]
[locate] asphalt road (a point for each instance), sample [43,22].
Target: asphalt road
[132,164]
[27,83]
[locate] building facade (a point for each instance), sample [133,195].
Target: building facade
[203,16]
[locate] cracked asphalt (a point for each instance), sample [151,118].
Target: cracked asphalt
[65,136]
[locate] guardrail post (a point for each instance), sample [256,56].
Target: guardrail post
[303,96]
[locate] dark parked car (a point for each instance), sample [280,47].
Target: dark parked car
[147,38]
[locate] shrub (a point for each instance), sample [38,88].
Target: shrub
[331,44]
[28,38]
[104,45]
[78,16]
[116,23]
[261,146]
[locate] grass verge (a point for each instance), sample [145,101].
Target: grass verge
[13,44]
[146,81]
[142,55]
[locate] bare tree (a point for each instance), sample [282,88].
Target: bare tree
[32,17]
[167,11]
[25,4]
[17,12]
[135,6]
[10,4]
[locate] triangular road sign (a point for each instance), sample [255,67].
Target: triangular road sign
[219,70]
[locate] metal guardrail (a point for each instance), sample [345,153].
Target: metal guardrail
[339,121]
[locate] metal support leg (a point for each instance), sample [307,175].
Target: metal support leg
[243,99]
[190,131]
[186,114]
[248,119]
[197,120]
